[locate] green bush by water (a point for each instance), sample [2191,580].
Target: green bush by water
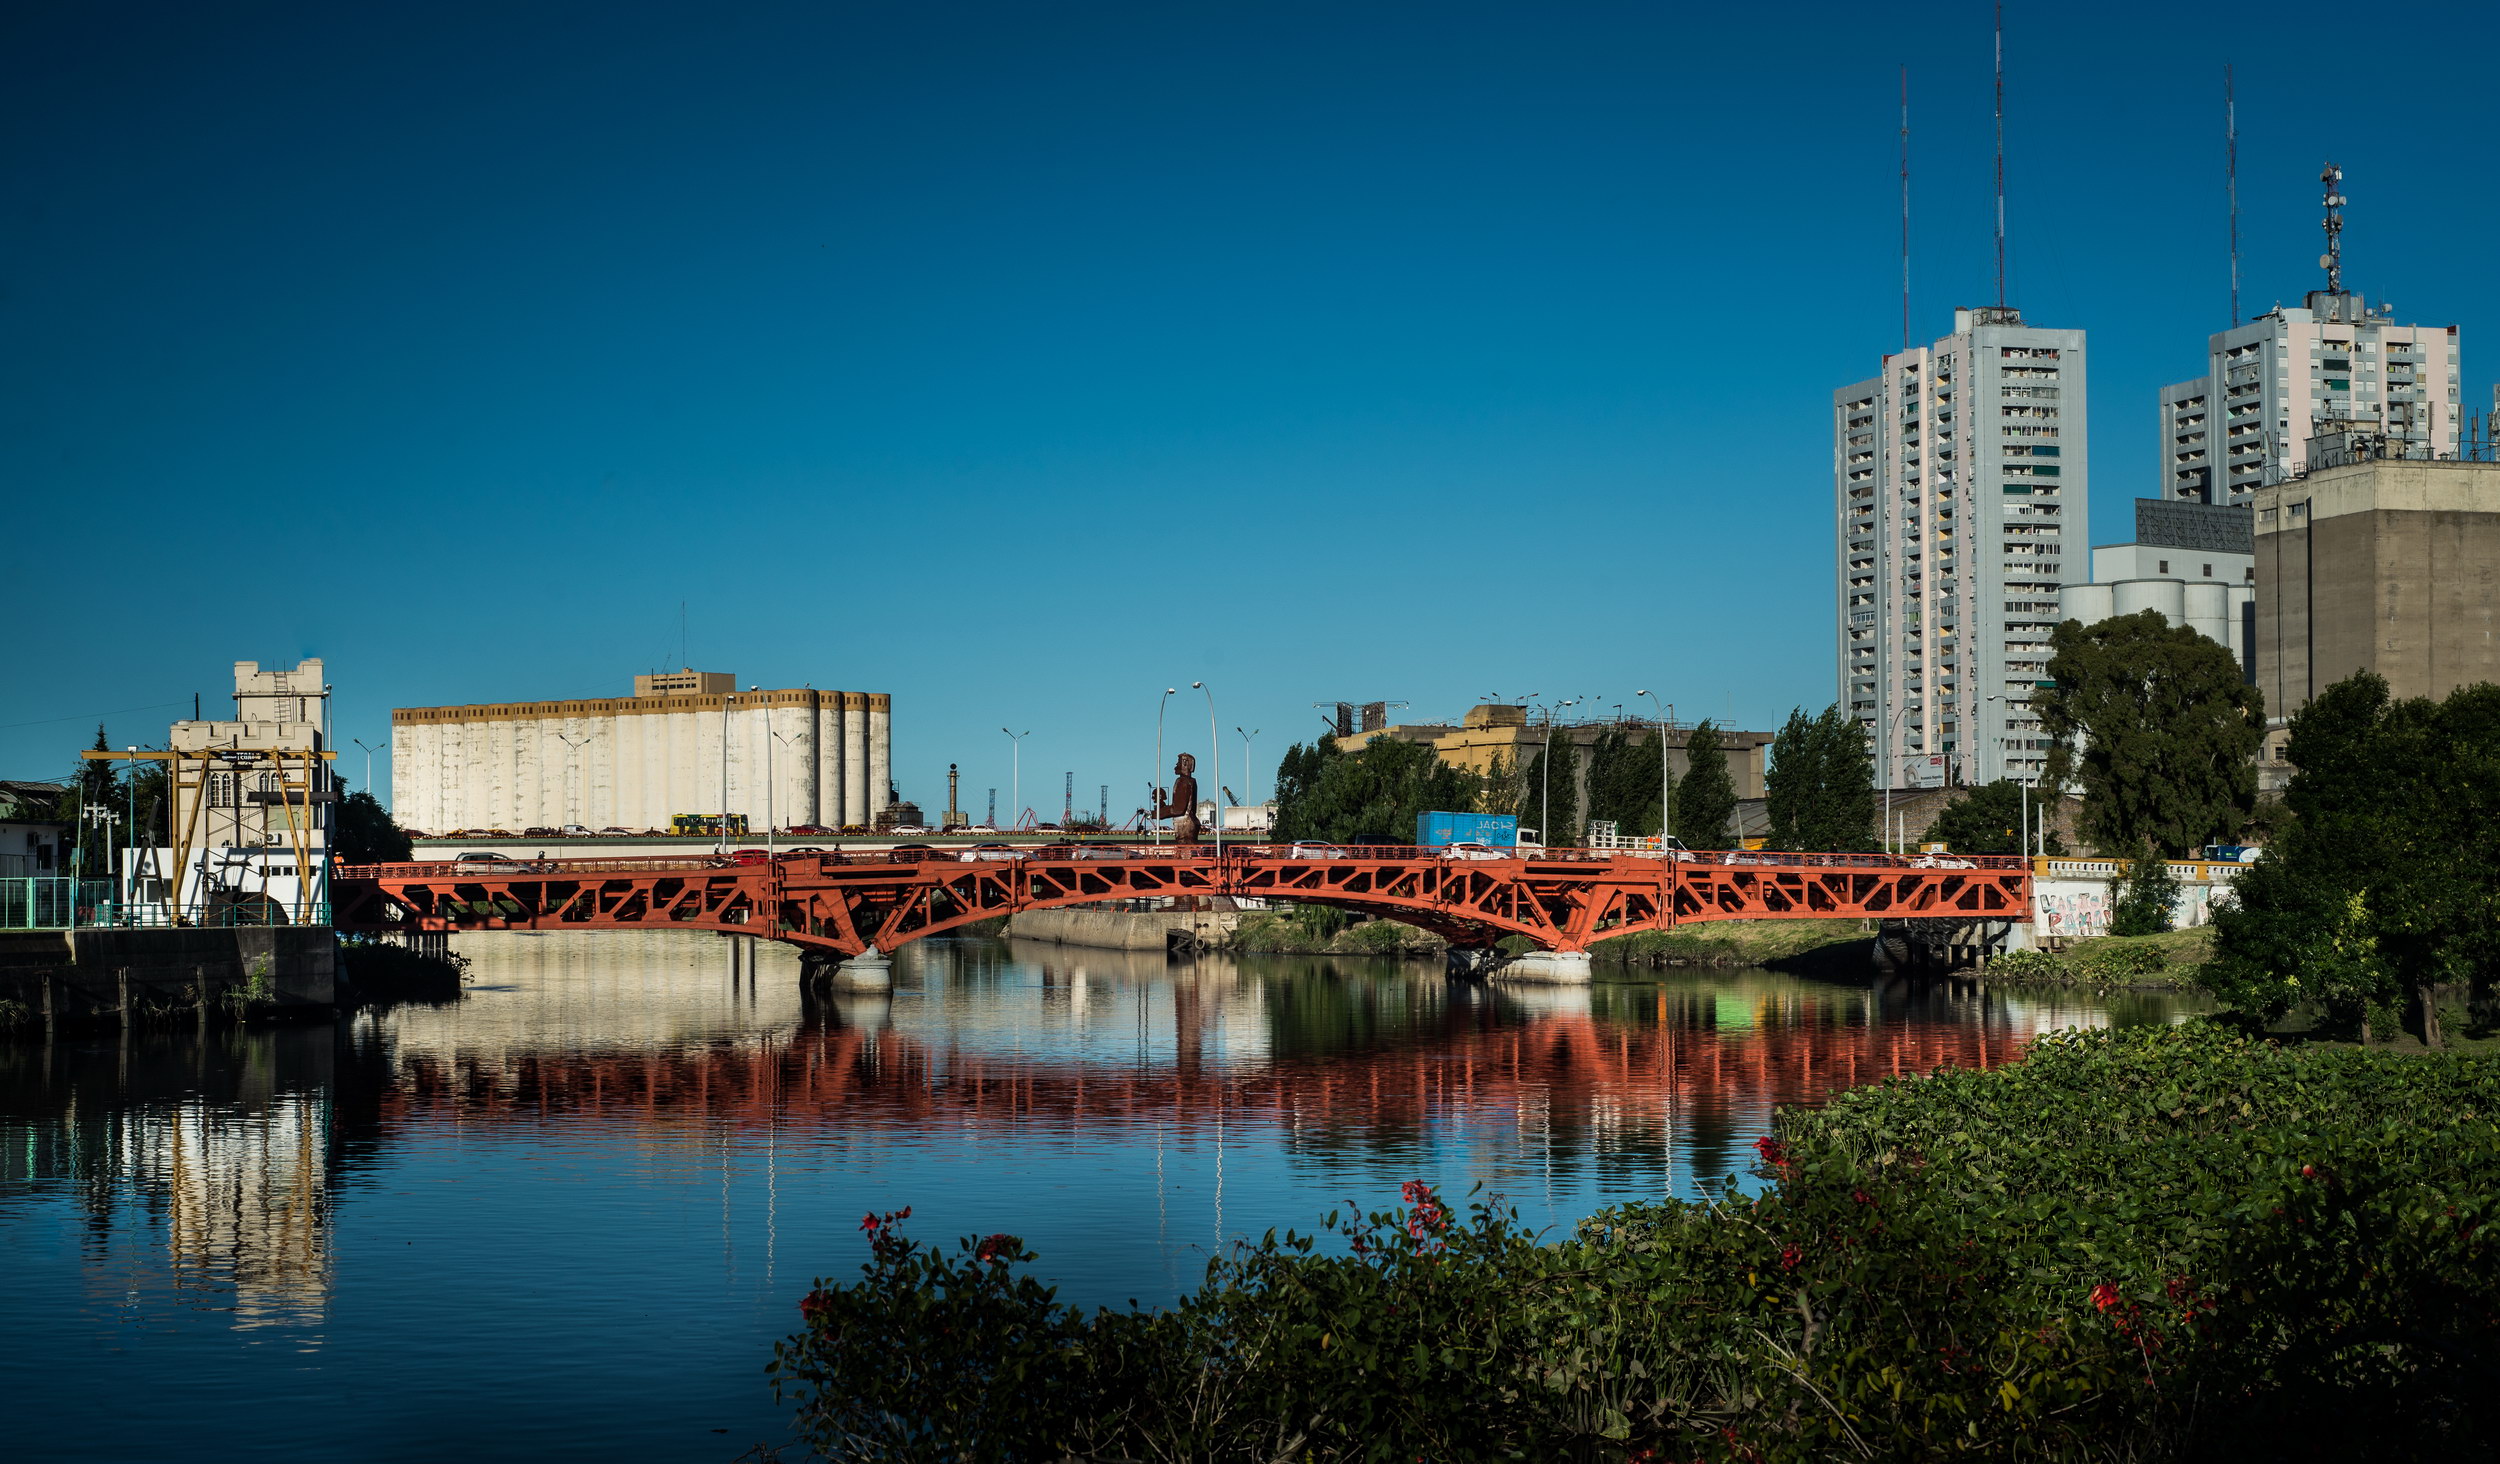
[2140,1244]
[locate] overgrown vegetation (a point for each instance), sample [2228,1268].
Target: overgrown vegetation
[1990,819]
[2169,732]
[1366,797]
[367,834]
[2141,1244]
[1705,797]
[2112,962]
[383,972]
[1732,943]
[1324,929]
[1820,790]
[2143,900]
[2384,884]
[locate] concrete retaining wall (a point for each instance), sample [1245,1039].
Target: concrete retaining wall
[1120,930]
[104,975]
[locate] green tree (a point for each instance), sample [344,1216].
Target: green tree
[1552,796]
[367,834]
[1989,819]
[2169,733]
[1705,797]
[1504,787]
[1624,775]
[1820,791]
[1366,797]
[2142,901]
[2384,883]
[94,784]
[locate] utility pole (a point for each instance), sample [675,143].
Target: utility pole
[1015,785]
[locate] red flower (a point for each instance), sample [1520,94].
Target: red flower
[869,1222]
[2104,1296]
[2309,1171]
[1772,1151]
[1862,1197]
[994,1248]
[814,1305]
[1789,1257]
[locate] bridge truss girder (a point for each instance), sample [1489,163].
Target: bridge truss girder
[843,905]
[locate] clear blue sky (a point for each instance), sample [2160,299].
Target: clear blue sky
[1023,360]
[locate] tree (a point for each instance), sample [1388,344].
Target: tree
[2143,901]
[1624,776]
[367,834]
[1367,797]
[2384,884]
[1553,794]
[2169,733]
[1705,797]
[1989,819]
[1821,786]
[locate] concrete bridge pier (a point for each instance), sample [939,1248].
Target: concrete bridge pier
[1475,963]
[870,970]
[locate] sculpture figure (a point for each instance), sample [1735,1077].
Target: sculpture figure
[1182,804]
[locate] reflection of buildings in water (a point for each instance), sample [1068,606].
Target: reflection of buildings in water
[1338,1060]
[223,1143]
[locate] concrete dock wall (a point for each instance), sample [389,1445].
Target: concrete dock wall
[1121,930]
[85,976]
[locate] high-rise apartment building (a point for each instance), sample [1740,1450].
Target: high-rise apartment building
[1960,474]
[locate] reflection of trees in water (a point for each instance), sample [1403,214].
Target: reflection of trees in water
[220,1144]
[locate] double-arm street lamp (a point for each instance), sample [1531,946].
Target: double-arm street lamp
[1015,777]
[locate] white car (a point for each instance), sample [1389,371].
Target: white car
[576,831]
[1471,849]
[1314,849]
[991,853]
[1939,861]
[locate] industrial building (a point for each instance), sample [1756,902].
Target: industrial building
[1956,475]
[686,742]
[2333,363]
[2372,562]
[2196,563]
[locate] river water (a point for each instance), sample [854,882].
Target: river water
[568,1215]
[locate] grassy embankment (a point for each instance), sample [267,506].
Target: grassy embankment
[1308,930]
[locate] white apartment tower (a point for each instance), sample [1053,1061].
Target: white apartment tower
[1958,474]
[2331,366]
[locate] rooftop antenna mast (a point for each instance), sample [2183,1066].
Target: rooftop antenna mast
[1905,207]
[2231,180]
[2000,8]
[2332,261]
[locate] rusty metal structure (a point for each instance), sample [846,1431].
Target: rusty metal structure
[845,904]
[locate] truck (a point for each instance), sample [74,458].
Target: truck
[1441,830]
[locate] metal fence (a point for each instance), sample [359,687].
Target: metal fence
[59,903]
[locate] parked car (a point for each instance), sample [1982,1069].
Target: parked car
[577,831]
[1314,849]
[813,831]
[538,833]
[1470,849]
[1940,861]
[613,829]
[989,853]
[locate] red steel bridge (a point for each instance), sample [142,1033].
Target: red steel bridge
[847,904]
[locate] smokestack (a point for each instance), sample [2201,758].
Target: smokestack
[954,816]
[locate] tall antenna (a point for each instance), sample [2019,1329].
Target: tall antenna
[2332,261]
[1905,206]
[2231,180]
[2000,154]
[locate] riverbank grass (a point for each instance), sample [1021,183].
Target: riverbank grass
[1730,943]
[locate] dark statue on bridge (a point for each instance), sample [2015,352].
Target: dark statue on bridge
[1182,805]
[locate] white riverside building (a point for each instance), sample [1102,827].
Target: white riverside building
[635,762]
[1959,476]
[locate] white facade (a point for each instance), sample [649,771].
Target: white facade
[1958,474]
[636,762]
[2331,364]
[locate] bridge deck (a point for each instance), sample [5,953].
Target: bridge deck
[846,903]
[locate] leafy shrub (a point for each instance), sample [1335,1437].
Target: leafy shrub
[2142,901]
[2113,962]
[2148,1243]
[2028,966]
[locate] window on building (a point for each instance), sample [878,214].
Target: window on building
[2165,567]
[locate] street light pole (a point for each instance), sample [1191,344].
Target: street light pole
[1015,781]
[1154,785]
[1215,750]
[1245,757]
[1545,764]
[1666,773]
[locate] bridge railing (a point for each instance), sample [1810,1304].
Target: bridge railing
[648,864]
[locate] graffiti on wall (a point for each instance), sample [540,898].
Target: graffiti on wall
[2078,909]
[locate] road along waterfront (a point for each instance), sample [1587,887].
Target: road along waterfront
[571,1212]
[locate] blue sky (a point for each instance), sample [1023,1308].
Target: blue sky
[1021,361]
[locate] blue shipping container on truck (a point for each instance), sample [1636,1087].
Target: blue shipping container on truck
[1440,830]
